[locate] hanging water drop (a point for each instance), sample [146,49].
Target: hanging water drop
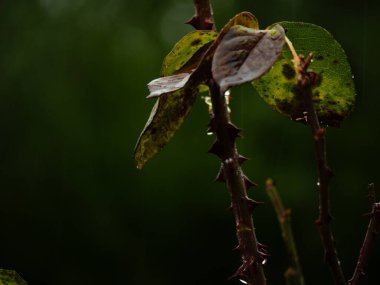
[210,133]
[243,281]
[318,183]
[264,261]
[352,76]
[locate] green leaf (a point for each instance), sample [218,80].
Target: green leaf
[193,52]
[175,101]
[245,54]
[334,93]
[167,116]
[185,49]
[10,277]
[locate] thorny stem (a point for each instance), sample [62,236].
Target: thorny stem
[368,240]
[305,82]
[293,274]
[252,255]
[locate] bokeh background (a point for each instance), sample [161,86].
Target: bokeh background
[73,208]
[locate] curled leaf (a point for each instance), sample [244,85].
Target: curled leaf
[245,54]
[167,84]
[334,92]
[10,277]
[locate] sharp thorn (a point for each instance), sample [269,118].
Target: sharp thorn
[194,21]
[242,159]
[220,177]
[249,183]
[237,248]
[216,149]
[252,204]
[233,131]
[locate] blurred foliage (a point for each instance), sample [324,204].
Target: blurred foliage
[73,208]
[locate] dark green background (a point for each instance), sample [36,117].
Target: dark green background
[73,208]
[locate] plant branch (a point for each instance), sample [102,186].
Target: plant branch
[305,83]
[293,274]
[252,254]
[369,238]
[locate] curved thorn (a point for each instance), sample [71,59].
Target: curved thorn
[249,183]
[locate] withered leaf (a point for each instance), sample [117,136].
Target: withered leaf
[167,84]
[245,54]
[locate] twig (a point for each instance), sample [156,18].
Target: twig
[293,274]
[369,238]
[305,83]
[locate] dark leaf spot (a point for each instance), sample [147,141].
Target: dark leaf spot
[288,71]
[195,42]
[319,57]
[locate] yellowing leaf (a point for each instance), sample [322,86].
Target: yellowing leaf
[167,116]
[10,277]
[245,54]
[193,52]
[334,94]
[175,101]
[185,49]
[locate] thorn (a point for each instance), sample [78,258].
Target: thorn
[236,248]
[242,159]
[194,21]
[240,272]
[261,245]
[249,183]
[216,149]
[263,255]
[252,204]
[233,131]
[220,177]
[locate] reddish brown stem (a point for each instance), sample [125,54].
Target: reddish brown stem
[368,240]
[324,173]
[252,257]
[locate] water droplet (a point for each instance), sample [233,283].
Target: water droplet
[312,60]
[210,133]
[264,262]
[243,281]
[352,76]
[318,183]
[227,93]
